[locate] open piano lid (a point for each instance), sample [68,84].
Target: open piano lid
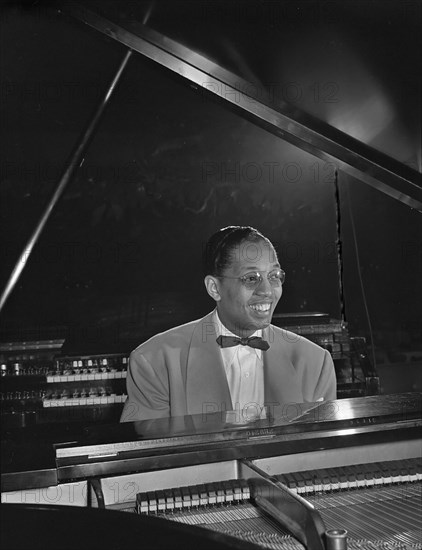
[130,26]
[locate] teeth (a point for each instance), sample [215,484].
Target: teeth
[261,307]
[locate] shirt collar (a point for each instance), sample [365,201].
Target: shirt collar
[229,353]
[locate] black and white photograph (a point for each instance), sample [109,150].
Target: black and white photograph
[211,274]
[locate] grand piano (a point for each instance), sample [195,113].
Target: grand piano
[319,475]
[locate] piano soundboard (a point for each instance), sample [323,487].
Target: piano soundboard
[361,499]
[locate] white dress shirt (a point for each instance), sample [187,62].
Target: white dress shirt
[244,368]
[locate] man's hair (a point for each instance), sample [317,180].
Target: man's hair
[217,254]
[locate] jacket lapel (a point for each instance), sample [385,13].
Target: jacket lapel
[282,384]
[207,389]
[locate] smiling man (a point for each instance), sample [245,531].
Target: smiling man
[233,359]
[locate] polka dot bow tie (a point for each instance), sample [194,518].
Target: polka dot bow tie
[252,341]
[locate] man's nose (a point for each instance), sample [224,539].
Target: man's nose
[264,288]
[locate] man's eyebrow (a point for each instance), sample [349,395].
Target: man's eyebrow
[254,268]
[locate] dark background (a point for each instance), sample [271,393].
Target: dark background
[120,257]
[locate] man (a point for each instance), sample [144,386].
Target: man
[233,358]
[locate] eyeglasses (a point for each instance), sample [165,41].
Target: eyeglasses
[253,279]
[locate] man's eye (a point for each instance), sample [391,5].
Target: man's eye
[252,278]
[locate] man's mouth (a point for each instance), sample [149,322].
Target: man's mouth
[261,307]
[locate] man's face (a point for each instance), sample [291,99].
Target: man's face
[243,310]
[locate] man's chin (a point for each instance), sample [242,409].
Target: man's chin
[259,324]
[262,318]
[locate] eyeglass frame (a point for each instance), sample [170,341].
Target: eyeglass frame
[260,278]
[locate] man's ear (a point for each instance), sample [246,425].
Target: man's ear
[211,284]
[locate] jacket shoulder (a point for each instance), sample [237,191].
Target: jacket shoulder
[173,336]
[291,339]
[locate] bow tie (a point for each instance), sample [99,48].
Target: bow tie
[252,341]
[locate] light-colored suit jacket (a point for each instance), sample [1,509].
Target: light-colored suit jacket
[180,372]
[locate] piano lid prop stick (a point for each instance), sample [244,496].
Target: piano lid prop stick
[75,161]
